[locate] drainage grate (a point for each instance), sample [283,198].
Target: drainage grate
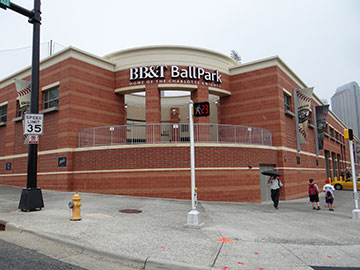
[130,211]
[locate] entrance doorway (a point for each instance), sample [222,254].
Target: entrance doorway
[264,186]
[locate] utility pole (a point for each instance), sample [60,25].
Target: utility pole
[31,197]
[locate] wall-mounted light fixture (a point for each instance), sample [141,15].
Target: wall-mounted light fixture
[173,111]
[125,106]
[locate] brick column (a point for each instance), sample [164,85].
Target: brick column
[153,113]
[174,115]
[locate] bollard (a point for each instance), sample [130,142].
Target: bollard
[75,206]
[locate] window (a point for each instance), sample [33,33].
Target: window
[19,112]
[287,102]
[51,98]
[331,131]
[3,113]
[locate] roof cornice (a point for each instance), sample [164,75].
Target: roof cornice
[69,52]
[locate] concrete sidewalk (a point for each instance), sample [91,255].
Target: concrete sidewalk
[293,237]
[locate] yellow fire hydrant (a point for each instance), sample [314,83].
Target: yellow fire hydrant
[75,206]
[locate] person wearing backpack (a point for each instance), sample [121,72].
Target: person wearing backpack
[329,194]
[313,191]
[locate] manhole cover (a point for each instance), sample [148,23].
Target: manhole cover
[130,211]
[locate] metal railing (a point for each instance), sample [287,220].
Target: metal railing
[173,133]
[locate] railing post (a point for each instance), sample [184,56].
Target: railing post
[93,136]
[235,134]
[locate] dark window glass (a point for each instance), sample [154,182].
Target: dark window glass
[287,100]
[51,98]
[3,113]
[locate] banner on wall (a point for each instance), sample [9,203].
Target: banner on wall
[23,89]
[304,98]
[321,115]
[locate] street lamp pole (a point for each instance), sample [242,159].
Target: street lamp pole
[31,197]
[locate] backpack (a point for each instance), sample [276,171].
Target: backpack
[328,196]
[312,189]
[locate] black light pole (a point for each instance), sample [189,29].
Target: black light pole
[31,197]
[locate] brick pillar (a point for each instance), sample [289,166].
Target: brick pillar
[218,108]
[120,133]
[201,133]
[175,132]
[153,113]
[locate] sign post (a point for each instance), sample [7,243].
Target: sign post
[31,197]
[193,218]
[348,134]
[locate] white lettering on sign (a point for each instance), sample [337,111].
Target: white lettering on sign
[158,72]
[33,124]
[152,72]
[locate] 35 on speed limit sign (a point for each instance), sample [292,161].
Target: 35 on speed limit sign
[33,124]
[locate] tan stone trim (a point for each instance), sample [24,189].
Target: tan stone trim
[177,87]
[287,92]
[49,86]
[96,148]
[300,169]
[163,169]
[265,63]
[4,103]
[219,92]
[130,89]
[171,55]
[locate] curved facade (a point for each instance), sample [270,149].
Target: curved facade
[97,97]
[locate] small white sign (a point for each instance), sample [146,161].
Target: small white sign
[33,139]
[33,124]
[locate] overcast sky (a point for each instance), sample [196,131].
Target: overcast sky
[318,39]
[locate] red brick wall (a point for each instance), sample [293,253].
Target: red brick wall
[87,99]
[254,101]
[160,177]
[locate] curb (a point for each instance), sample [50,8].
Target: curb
[9,226]
[147,263]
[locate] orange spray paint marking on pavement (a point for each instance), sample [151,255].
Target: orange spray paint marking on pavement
[224,240]
[224,268]
[256,253]
[240,263]
[329,257]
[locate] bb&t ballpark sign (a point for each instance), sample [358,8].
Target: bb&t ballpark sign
[188,73]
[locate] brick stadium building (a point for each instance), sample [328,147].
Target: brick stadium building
[101,136]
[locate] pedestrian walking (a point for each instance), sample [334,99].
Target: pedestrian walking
[313,191]
[329,194]
[275,185]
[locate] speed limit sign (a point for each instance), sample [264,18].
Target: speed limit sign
[33,124]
